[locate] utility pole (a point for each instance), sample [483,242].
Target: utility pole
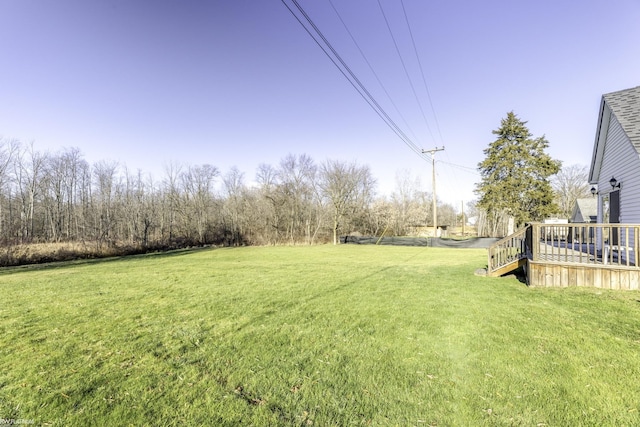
[462,211]
[433,180]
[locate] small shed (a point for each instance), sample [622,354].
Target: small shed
[585,211]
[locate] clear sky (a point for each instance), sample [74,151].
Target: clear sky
[240,82]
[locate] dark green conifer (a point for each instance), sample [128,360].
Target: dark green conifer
[515,174]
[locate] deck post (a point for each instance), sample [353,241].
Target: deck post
[636,244]
[535,241]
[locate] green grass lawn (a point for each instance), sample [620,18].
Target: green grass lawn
[347,335]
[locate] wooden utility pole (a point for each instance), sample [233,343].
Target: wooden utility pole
[462,211]
[432,152]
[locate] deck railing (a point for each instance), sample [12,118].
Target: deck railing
[608,244]
[601,244]
[507,251]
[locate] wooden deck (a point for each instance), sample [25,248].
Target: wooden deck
[561,274]
[606,255]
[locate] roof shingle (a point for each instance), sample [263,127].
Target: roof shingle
[625,105]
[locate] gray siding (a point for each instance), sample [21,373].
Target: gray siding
[621,160]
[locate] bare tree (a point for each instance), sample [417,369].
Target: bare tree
[271,210]
[446,214]
[75,166]
[410,206]
[569,185]
[83,217]
[198,182]
[234,188]
[28,170]
[494,225]
[9,148]
[105,176]
[348,187]
[150,209]
[139,208]
[60,189]
[170,199]
[383,213]
[296,190]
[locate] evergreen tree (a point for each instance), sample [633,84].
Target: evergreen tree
[515,175]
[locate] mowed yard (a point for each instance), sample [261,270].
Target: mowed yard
[325,336]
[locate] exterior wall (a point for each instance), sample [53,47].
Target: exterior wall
[622,161]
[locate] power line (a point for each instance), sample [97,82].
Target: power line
[464,168]
[406,72]
[344,24]
[323,48]
[350,76]
[424,80]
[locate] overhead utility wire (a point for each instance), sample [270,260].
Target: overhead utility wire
[404,66]
[355,82]
[344,24]
[433,110]
[461,167]
[426,86]
[362,90]
[424,80]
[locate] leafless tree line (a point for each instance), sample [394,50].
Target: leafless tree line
[60,197]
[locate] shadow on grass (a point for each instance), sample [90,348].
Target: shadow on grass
[289,304]
[519,274]
[93,261]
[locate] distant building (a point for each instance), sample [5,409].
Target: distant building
[585,211]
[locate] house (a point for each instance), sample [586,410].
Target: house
[615,164]
[604,253]
[585,211]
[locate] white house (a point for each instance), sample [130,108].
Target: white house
[607,254]
[585,211]
[615,164]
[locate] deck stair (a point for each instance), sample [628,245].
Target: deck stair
[599,255]
[508,254]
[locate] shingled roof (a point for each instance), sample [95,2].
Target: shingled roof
[625,105]
[585,210]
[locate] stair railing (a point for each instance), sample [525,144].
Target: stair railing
[509,250]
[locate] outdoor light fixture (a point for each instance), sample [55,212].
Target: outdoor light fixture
[593,191]
[614,183]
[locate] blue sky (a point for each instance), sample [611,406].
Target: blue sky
[239,83]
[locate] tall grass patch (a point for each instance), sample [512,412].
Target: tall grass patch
[311,336]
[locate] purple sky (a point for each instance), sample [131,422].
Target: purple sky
[239,82]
